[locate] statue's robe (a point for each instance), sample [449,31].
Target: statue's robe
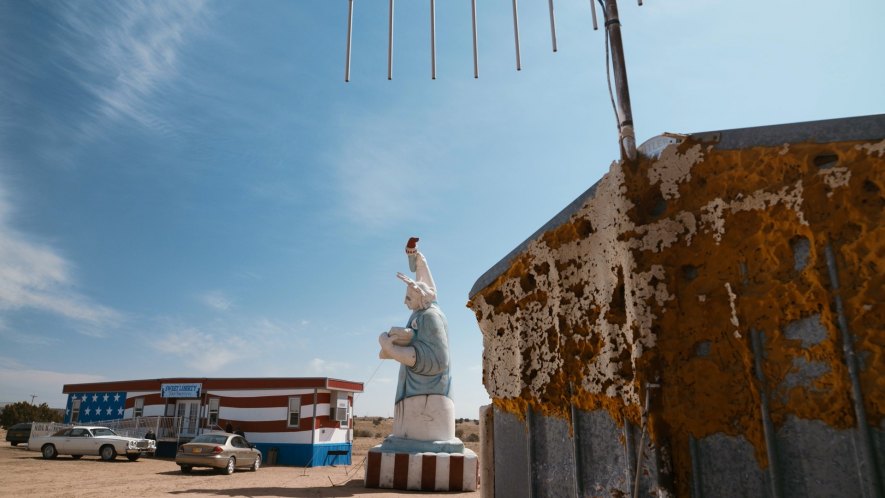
[430,374]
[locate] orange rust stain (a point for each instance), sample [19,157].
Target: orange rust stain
[703,363]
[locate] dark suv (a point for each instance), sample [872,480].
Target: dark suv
[19,433]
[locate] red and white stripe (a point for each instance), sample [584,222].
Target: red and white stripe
[423,471]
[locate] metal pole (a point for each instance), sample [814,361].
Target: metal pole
[516,35]
[767,424]
[694,453]
[639,455]
[619,67]
[552,24]
[475,47]
[390,41]
[593,11]
[349,33]
[576,444]
[313,420]
[433,39]
[867,451]
[629,456]
[768,432]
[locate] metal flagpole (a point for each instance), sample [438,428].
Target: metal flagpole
[627,137]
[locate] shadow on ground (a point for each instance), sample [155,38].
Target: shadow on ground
[353,487]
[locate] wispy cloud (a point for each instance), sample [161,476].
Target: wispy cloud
[216,300]
[18,382]
[213,346]
[383,174]
[35,276]
[320,366]
[204,351]
[29,338]
[123,53]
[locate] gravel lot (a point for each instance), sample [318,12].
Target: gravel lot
[26,473]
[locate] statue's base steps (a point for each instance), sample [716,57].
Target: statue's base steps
[423,471]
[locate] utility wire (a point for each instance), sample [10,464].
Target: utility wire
[608,74]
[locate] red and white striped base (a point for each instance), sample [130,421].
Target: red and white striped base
[423,471]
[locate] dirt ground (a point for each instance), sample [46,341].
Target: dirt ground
[26,473]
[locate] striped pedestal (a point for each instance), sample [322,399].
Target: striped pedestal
[422,471]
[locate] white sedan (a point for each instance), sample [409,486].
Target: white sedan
[91,440]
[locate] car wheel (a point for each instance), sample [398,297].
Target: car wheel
[231,466]
[134,457]
[13,443]
[186,469]
[107,453]
[49,451]
[256,464]
[76,457]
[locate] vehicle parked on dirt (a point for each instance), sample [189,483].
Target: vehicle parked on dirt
[18,433]
[219,450]
[91,440]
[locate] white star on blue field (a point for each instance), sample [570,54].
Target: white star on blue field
[190,189]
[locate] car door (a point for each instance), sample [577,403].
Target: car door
[91,443]
[76,442]
[243,452]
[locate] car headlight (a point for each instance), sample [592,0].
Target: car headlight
[133,445]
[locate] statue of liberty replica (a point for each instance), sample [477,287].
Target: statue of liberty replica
[423,452]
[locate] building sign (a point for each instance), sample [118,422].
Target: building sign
[180,390]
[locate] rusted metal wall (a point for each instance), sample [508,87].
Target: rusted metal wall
[719,303]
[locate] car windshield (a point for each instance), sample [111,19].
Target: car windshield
[103,431]
[210,439]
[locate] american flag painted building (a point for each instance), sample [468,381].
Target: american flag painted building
[89,407]
[304,421]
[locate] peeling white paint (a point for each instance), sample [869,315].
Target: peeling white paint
[732,298]
[784,150]
[713,217]
[674,168]
[714,213]
[876,148]
[663,234]
[835,178]
[577,284]
[595,265]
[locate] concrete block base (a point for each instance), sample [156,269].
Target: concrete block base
[422,471]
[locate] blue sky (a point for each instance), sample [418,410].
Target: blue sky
[190,188]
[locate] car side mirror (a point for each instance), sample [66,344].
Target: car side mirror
[252,445]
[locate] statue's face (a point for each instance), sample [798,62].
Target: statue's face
[414,300]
